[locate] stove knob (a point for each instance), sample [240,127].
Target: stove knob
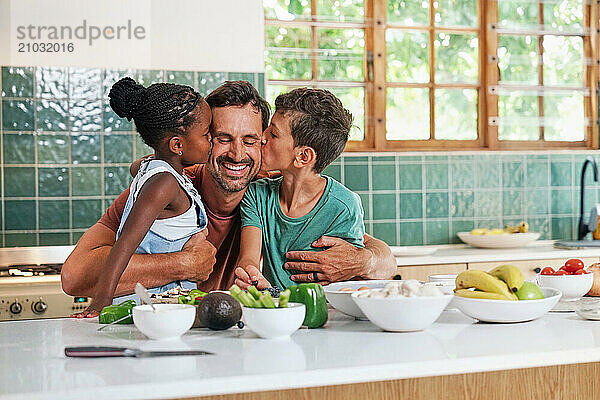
[39,307]
[16,307]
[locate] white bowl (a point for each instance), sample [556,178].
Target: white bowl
[446,283]
[508,310]
[447,279]
[272,323]
[402,314]
[169,321]
[342,301]
[505,241]
[572,287]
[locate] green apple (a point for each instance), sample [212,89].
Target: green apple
[529,291]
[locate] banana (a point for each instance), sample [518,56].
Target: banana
[483,281]
[509,274]
[474,294]
[521,228]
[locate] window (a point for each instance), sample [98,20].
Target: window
[321,44]
[444,74]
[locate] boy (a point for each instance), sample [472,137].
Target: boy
[308,131]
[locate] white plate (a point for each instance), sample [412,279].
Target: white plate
[508,311]
[342,301]
[412,251]
[506,241]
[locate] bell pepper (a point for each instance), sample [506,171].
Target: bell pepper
[114,312]
[313,297]
[194,297]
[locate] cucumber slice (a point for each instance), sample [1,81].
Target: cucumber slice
[254,292]
[284,297]
[267,300]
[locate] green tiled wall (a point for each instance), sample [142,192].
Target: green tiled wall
[64,154]
[425,199]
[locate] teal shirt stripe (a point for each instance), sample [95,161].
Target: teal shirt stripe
[338,213]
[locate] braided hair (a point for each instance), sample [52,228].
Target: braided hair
[157,110]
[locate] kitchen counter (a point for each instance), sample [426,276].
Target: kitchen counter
[462,253]
[345,352]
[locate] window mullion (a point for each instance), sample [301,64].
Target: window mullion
[492,72]
[432,70]
[314,42]
[590,52]
[379,74]
[541,70]
[481,98]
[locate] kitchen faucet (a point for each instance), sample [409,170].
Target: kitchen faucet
[583,228]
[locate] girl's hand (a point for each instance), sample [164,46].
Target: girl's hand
[249,275]
[93,309]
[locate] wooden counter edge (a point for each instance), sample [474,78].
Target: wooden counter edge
[570,381]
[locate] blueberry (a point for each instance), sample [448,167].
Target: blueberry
[273,291]
[240,324]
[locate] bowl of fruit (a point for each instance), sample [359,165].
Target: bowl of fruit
[339,295]
[572,279]
[500,238]
[502,295]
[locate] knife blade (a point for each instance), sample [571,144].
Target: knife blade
[103,351]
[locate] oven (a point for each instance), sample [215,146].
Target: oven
[30,285]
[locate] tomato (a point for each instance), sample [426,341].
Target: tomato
[561,272]
[563,268]
[573,265]
[579,272]
[547,271]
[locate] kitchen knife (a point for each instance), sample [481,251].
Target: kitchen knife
[101,351]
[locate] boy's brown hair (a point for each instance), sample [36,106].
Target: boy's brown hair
[319,120]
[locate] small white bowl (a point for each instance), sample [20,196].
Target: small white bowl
[446,279]
[447,284]
[572,287]
[169,321]
[275,323]
[341,300]
[402,314]
[508,311]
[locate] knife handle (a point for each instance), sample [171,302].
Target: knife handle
[98,351]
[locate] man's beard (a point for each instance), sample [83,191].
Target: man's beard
[229,183]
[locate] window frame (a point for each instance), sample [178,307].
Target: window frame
[375,82]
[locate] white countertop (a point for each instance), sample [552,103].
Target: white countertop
[346,351]
[462,253]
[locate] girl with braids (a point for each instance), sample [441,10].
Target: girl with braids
[163,209]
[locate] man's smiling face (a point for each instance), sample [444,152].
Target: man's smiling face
[235,155]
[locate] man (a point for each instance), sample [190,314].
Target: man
[240,116]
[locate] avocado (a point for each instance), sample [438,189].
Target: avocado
[219,311]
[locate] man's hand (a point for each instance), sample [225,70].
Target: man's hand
[340,261]
[250,275]
[198,257]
